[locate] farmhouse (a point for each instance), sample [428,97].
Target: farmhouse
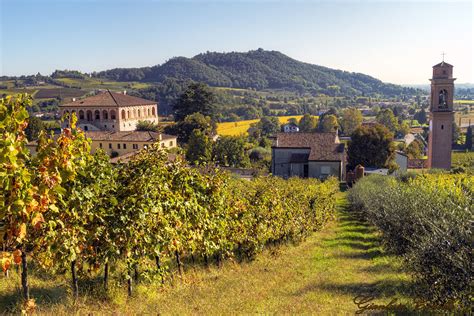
[314,155]
[120,143]
[110,111]
[291,128]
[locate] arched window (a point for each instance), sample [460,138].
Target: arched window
[123,114]
[148,111]
[128,114]
[153,111]
[97,115]
[138,112]
[81,114]
[105,115]
[112,114]
[89,115]
[443,99]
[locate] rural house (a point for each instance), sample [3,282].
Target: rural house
[313,155]
[291,128]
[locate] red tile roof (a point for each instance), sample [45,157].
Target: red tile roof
[138,136]
[108,98]
[323,146]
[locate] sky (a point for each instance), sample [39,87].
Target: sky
[395,41]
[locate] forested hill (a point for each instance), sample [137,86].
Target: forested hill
[259,69]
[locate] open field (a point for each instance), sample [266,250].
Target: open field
[321,276]
[241,127]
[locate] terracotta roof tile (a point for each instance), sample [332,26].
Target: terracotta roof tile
[138,136]
[109,98]
[324,146]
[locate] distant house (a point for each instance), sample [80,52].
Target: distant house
[313,155]
[290,128]
[120,143]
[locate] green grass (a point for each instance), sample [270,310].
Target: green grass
[322,275]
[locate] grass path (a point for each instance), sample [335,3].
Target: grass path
[319,276]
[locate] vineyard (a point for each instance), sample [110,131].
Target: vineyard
[69,211]
[428,220]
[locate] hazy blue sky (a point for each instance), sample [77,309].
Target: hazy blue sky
[395,41]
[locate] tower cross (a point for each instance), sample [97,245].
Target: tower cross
[443,53]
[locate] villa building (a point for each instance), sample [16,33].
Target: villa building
[110,111]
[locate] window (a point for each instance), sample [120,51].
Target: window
[113,126]
[118,146]
[134,146]
[442,126]
[105,115]
[105,125]
[171,143]
[124,146]
[100,145]
[110,145]
[81,114]
[112,115]
[97,114]
[153,111]
[123,114]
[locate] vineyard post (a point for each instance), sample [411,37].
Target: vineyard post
[129,282]
[136,273]
[178,262]
[24,275]
[75,287]
[106,276]
[158,266]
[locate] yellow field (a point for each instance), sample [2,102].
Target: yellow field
[241,127]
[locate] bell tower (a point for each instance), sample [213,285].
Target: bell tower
[441,116]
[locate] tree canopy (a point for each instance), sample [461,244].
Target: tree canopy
[371,147]
[197,98]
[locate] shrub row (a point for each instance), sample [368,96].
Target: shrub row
[428,220]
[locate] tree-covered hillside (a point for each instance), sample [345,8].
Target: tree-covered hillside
[260,69]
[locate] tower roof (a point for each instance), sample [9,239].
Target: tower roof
[443,64]
[108,98]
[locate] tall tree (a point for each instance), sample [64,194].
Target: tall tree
[197,98]
[230,151]
[387,119]
[183,129]
[469,138]
[35,126]
[415,149]
[371,147]
[329,123]
[351,119]
[421,116]
[199,148]
[307,123]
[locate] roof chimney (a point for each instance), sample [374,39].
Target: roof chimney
[124,92]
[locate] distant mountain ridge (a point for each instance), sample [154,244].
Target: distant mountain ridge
[259,69]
